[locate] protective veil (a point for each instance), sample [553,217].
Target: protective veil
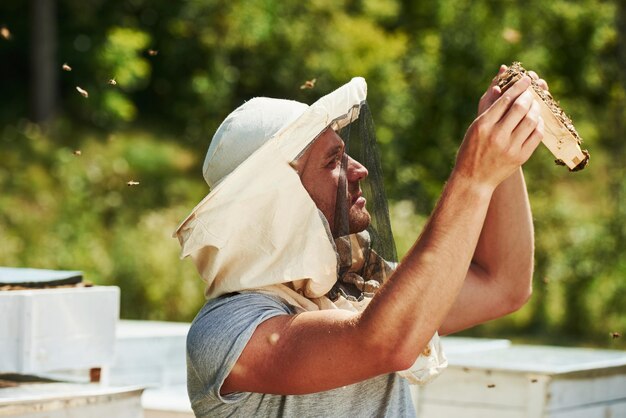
[259,230]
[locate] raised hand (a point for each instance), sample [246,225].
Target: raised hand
[504,135]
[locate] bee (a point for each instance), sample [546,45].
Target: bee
[113,82]
[152,52]
[132,183]
[533,380]
[273,338]
[309,84]
[615,335]
[66,67]
[5,33]
[82,92]
[491,385]
[511,35]
[77,152]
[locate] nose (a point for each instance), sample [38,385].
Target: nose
[356,170]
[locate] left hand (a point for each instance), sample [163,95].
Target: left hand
[493,92]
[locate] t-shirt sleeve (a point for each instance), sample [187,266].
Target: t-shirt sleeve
[217,337]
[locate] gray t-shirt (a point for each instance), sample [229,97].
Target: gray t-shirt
[215,341]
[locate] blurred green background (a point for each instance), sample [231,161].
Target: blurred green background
[181,66]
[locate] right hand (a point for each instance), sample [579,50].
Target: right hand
[502,138]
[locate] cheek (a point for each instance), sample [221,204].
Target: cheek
[322,187]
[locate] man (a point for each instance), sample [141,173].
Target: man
[307,313]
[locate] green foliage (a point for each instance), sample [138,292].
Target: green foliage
[71,211]
[427,64]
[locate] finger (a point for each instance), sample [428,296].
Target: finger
[495,80]
[527,125]
[542,83]
[533,75]
[517,112]
[504,102]
[531,144]
[487,99]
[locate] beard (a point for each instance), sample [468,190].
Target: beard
[358,219]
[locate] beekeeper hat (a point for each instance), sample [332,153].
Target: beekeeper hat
[244,131]
[258,226]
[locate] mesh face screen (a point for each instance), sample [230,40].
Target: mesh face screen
[364,256]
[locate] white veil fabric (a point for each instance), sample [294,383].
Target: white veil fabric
[259,230]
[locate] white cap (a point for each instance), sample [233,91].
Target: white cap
[244,131]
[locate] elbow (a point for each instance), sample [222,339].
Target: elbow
[399,360]
[402,355]
[520,293]
[394,353]
[525,291]
[519,299]
[517,296]
[404,361]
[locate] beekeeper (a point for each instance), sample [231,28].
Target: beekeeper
[308,312]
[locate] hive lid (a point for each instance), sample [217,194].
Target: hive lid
[38,278]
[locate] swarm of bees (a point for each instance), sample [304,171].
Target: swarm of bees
[6,34]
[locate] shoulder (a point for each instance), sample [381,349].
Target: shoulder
[237,306]
[233,316]
[218,335]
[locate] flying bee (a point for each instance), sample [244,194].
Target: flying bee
[152,52]
[273,338]
[66,67]
[113,82]
[5,33]
[77,152]
[491,385]
[615,335]
[82,92]
[309,84]
[132,183]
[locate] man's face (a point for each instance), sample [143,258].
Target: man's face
[319,169]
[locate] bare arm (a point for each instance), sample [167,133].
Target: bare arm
[499,280]
[327,349]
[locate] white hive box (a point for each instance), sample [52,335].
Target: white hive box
[45,330]
[67,400]
[528,382]
[150,353]
[167,402]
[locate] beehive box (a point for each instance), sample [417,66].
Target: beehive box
[150,353]
[68,400]
[45,330]
[528,382]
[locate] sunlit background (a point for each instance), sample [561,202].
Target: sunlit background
[108,108]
